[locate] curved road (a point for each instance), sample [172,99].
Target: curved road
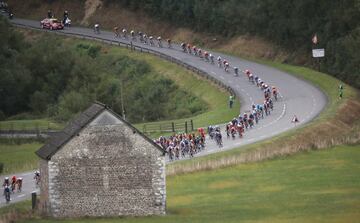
[298,96]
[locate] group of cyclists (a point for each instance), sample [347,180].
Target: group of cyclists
[6,9]
[137,36]
[15,184]
[182,145]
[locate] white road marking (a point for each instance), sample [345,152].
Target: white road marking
[276,120]
[222,77]
[21,195]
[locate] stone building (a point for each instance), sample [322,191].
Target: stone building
[100,165]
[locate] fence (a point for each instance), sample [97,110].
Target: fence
[23,130]
[187,126]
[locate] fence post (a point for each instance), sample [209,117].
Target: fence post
[12,129]
[186,127]
[173,126]
[37,130]
[192,125]
[33,200]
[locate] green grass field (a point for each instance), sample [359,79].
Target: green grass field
[17,158]
[316,186]
[31,124]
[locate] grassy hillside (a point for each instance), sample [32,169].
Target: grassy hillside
[176,92]
[315,186]
[256,28]
[17,158]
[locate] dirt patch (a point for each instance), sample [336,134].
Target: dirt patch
[90,8]
[224,185]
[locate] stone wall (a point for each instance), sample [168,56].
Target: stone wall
[107,170]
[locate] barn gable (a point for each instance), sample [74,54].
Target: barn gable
[100,165]
[92,114]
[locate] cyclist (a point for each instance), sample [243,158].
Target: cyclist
[206,56]
[218,137]
[274,92]
[116,31]
[211,58]
[13,183]
[124,31]
[251,78]
[151,40]
[189,48]
[183,47]
[140,34]
[159,41]
[236,71]
[200,53]
[219,61]
[226,67]
[97,28]
[194,50]
[7,193]
[19,183]
[6,182]
[145,38]
[37,177]
[169,43]
[132,33]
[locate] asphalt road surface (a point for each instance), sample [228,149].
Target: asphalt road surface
[299,97]
[27,188]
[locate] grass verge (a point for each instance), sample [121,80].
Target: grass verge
[18,158]
[15,212]
[314,186]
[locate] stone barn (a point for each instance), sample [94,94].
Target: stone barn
[100,165]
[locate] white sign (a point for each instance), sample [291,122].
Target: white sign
[318,52]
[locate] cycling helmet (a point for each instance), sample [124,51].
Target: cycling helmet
[6,178]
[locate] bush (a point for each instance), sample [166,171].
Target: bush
[2,116]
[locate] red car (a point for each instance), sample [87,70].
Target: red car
[51,24]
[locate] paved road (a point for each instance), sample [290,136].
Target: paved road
[28,188]
[299,97]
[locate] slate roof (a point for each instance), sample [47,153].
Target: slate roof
[76,125]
